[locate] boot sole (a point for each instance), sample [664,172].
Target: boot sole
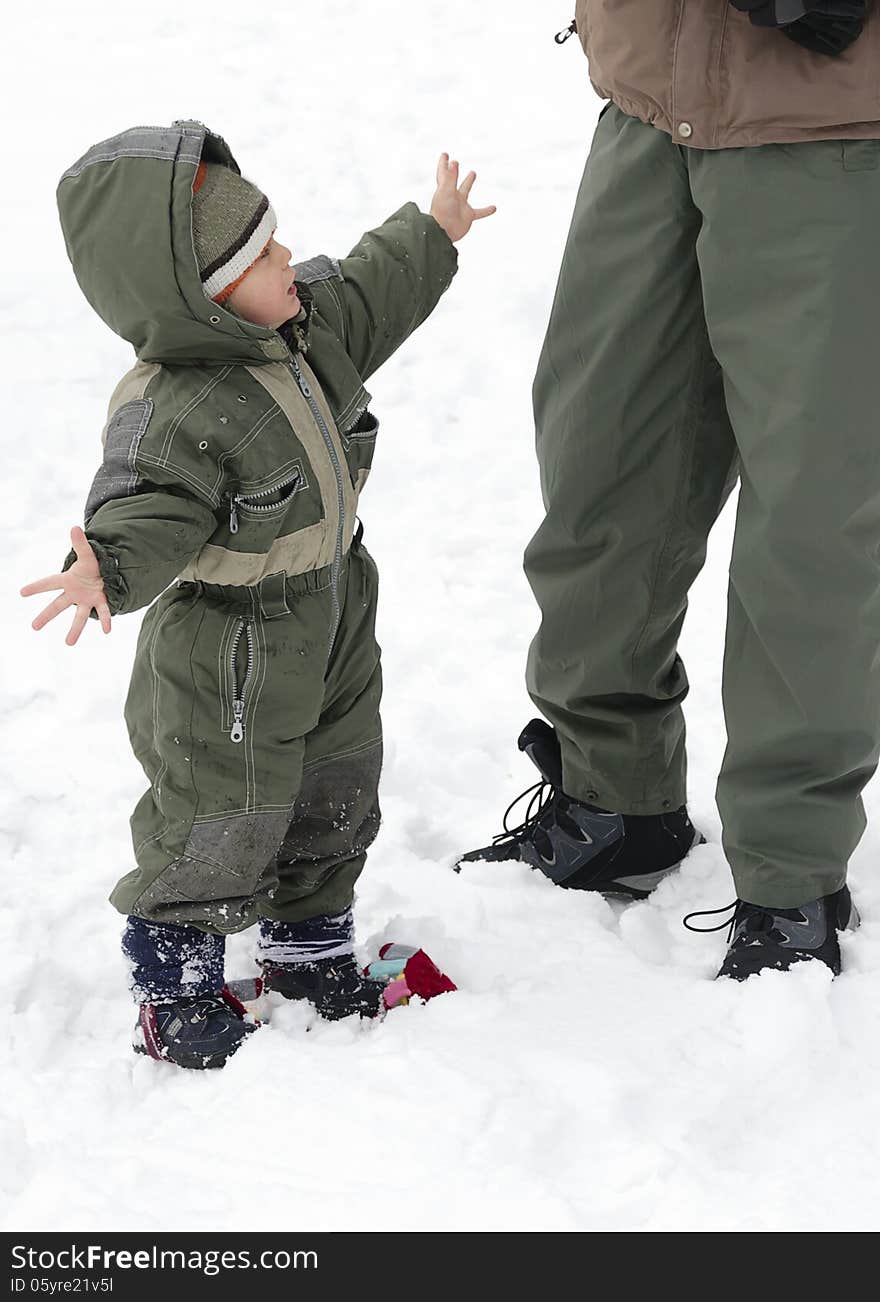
[187,1063]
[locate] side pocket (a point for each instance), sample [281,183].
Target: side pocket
[360,445]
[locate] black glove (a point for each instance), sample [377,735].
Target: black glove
[825,26]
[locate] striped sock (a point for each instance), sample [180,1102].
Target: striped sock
[297,943]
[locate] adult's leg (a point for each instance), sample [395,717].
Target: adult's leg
[791,277]
[637,459]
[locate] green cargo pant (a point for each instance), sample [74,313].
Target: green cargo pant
[277,823]
[716,315]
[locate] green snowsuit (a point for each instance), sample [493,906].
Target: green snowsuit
[234,456]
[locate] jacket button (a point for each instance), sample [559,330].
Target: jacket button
[685,130]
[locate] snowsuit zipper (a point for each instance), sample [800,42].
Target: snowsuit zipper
[236,733]
[251,500]
[306,391]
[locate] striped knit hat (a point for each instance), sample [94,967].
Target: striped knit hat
[232,222]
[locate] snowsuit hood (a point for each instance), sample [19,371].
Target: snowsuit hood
[126,214]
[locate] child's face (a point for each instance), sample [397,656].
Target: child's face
[267,295]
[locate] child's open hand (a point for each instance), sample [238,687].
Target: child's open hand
[450,207]
[82,587]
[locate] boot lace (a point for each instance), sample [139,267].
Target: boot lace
[541,796]
[205,1006]
[755,918]
[709,913]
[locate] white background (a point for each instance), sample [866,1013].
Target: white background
[588,1075]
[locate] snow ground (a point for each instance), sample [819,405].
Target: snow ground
[588,1075]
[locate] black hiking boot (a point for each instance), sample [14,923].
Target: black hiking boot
[335,986]
[197,1033]
[580,846]
[761,938]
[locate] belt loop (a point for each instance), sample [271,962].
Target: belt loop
[271,593]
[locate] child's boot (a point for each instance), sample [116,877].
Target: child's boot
[314,960]
[335,986]
[197,1033]
[186,1015]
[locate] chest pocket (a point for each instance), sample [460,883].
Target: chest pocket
[360,444]
[265,502]
[260,509]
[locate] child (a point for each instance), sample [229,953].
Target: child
[234,455]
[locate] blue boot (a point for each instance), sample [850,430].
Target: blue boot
[196,1033]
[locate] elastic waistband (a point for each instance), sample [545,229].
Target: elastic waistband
[269,598]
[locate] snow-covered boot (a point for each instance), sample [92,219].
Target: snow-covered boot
[581,846]
[313,959]
[335,986]
[761,938]
[198,1033]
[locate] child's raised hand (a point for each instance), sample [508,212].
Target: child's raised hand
[81,587]
[450,207]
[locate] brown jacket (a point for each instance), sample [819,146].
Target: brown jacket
[700,71]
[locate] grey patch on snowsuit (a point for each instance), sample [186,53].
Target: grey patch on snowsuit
[117,475]
[232,866]
[335,819]
[142,142]
[225,863]
[319,268]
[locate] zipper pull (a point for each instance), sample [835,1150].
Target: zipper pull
[561,37]
[237,730]
[233,514]
[304,388]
